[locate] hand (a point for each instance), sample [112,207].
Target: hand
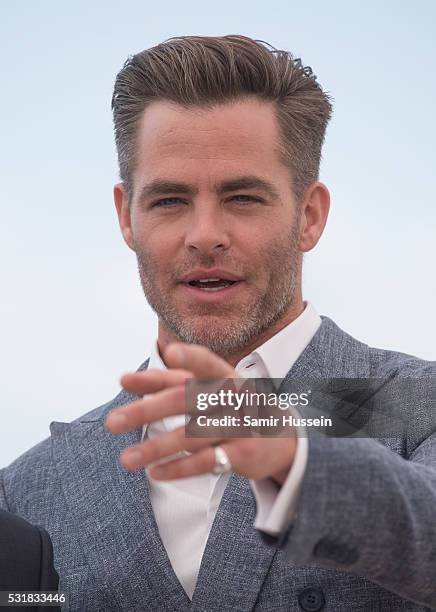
[253,458]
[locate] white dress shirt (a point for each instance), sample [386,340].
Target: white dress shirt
[185,508]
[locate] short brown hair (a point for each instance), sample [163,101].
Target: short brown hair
[205,71]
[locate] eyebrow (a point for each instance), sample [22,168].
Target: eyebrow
[161,187]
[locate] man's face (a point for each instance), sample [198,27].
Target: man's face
[245,236]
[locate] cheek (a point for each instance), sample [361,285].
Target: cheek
[156,244]
[254,243]
[161,250]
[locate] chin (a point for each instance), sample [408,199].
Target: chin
[206,328]
[208,324]
[222,335]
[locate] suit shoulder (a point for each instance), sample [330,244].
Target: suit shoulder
[100,412]
[23,483]
[35,456]
[26,476]
[385,362]
[337,350]
[31,471]
[40,455]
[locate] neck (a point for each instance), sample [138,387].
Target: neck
[165,336]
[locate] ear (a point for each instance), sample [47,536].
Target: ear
[315,210]
[122,205]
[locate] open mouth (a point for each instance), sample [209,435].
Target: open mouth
[212,284]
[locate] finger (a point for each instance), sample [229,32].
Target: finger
[198,463]
[197,359]
[161,447]
[150,381]
[154,408]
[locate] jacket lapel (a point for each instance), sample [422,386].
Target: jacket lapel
[236,561]
[113,515]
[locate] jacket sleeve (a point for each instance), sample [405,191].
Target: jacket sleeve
[367,510]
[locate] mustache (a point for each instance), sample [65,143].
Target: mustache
[207,262]
[149,263]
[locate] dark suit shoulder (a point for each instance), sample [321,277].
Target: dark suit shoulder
[14,527]
[26,556]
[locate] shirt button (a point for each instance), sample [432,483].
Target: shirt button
[311,599]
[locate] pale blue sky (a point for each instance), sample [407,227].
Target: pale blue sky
[73,317]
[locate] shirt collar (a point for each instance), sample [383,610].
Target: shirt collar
[279,353]
[273,359]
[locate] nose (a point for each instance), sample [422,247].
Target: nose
[207,233]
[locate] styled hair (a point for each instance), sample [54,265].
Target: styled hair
[207,71]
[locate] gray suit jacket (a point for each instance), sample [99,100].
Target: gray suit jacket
[363,538]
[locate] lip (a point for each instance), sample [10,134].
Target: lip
[211,297]
[200,273]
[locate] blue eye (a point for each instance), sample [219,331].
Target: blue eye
[248,199]
[170,202]
[161,202]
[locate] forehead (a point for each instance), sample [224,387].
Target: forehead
[244,132]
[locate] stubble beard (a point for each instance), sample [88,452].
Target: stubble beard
[225,328]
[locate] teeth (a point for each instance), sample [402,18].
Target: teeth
[216,284]
[212,288]
[208,280]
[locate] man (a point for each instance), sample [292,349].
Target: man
[26,559]
[219,142]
